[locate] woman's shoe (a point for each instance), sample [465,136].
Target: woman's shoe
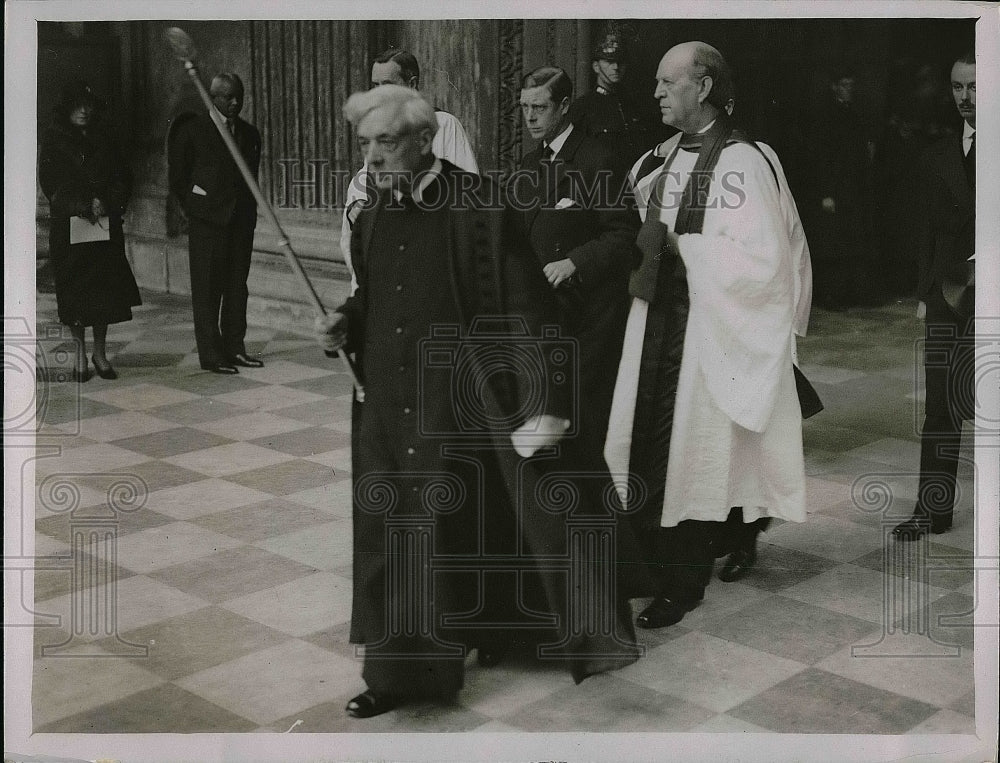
[371,703]
[106,372]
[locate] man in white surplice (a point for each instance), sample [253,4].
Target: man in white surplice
[733,432]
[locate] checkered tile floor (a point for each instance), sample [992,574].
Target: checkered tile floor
[233,576]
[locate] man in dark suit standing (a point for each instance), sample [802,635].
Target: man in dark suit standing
[947,243]
[583,233]
[222,215]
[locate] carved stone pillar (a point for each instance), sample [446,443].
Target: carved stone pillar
[302,73]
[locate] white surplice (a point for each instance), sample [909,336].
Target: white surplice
[737,428]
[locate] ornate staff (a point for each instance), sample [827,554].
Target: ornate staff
[184,49]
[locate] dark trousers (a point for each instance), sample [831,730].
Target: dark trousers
[688,551]
[949,365]
[220,265]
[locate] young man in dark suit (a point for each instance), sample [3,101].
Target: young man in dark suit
[583,232]
[222,215]
[947,244]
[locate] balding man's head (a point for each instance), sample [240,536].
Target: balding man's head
[694,84]
[227,94]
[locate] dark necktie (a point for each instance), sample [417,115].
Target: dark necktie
[970,163]
[408,203]
[546,178]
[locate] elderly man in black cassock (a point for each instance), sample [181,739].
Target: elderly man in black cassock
[464,400]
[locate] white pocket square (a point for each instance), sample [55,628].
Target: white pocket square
[197,189]
[565,202]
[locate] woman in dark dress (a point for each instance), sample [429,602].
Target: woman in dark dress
[84,175]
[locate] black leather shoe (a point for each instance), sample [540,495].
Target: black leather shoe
[222,368]
[371,703]
[490,656]
[663,612]
[915,528]
[242,359]
[106,372]
[738,565]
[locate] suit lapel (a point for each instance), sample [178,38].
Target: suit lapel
[549,193]
[953,172]
[532,163]
[565,162]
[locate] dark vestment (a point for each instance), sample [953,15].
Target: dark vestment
[598,235]
[946,238]
[449,523]
[94,283]
[222,214]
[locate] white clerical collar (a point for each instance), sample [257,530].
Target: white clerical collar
[557,143]
[660,148]
[426,177]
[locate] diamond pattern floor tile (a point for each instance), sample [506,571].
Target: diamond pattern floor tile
[298,608]
[220,634]
[234,563]
[272,683]
[71,683]
[708,671]
[814,701]
[157,710]
[232,573]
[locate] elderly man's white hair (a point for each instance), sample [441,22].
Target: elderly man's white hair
[404,103]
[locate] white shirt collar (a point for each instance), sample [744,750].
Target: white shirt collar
[425,180]
[967,130]
[218,117]
[706,128]
[557,142]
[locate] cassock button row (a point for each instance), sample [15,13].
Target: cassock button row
[406,410]
[399,329]
[410,451]
[402,368]
[402,247]
[399,287]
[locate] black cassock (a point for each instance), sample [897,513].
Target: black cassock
[457,540]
